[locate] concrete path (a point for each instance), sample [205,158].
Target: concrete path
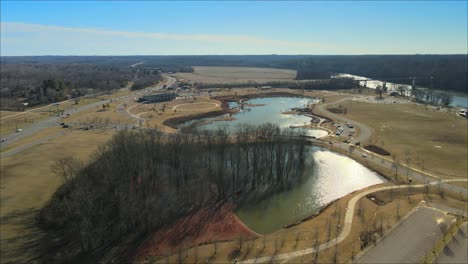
[286,257]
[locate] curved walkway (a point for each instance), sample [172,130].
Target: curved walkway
[213,105]
[348,220]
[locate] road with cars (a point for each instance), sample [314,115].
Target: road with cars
[56,120]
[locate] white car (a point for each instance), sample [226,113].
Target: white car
[364,155]
[19,130]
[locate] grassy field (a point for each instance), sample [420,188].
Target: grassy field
[236,75]
[9,125]
[155,115]
[27,183]
[434,140]
[25,119]
[109,115]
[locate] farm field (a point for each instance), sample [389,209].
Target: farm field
[236,75]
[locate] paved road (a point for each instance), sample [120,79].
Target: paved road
[365,132]
[56,120]
[411,239]
[456,250]
[30,145]
[47,123]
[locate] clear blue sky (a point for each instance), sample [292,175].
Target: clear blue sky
[136,28]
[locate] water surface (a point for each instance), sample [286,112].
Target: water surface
[332,176]
[268,110]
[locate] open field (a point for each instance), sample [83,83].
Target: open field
[434,140]
[9,125]
[23,119]
[236,75]
[109,115]
[27,181]
[37,136]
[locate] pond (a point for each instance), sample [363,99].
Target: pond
[331,176]
[263,110]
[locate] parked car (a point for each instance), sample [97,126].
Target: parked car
[364,155]
[19,130]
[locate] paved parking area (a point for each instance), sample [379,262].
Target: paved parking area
[411,239]
[456,250]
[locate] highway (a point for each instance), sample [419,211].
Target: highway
[56,120]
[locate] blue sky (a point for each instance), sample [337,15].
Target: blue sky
[139,28]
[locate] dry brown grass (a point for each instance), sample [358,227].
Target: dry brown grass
[435,140]
[110,115]
[9,125]
[27,180]
[155,116]
[307,233]
[30,139]
[236,75]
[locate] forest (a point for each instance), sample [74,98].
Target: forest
[323,84]
[37,84]
[141,181]
[450,72]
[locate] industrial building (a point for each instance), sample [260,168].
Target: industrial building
[155,98]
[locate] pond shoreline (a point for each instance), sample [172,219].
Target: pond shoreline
[176,122]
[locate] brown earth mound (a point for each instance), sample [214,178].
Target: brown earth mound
[204,226]
[377,150]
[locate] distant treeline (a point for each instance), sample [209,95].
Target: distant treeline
[47,83]
[22,74]
[141,181]
[327,84]
[450,72]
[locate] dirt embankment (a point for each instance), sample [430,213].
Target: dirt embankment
[217,223]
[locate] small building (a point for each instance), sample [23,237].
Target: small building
[155,98]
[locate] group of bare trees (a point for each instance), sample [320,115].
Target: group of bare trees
[431,96]
[45,83]
[322,84]
[142,180]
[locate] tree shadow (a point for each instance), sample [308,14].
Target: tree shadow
[448,251]
[24,246]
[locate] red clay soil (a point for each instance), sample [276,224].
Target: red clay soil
[204,226]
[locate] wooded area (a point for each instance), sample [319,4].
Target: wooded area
[36,84]
[325,84]
[141,181]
